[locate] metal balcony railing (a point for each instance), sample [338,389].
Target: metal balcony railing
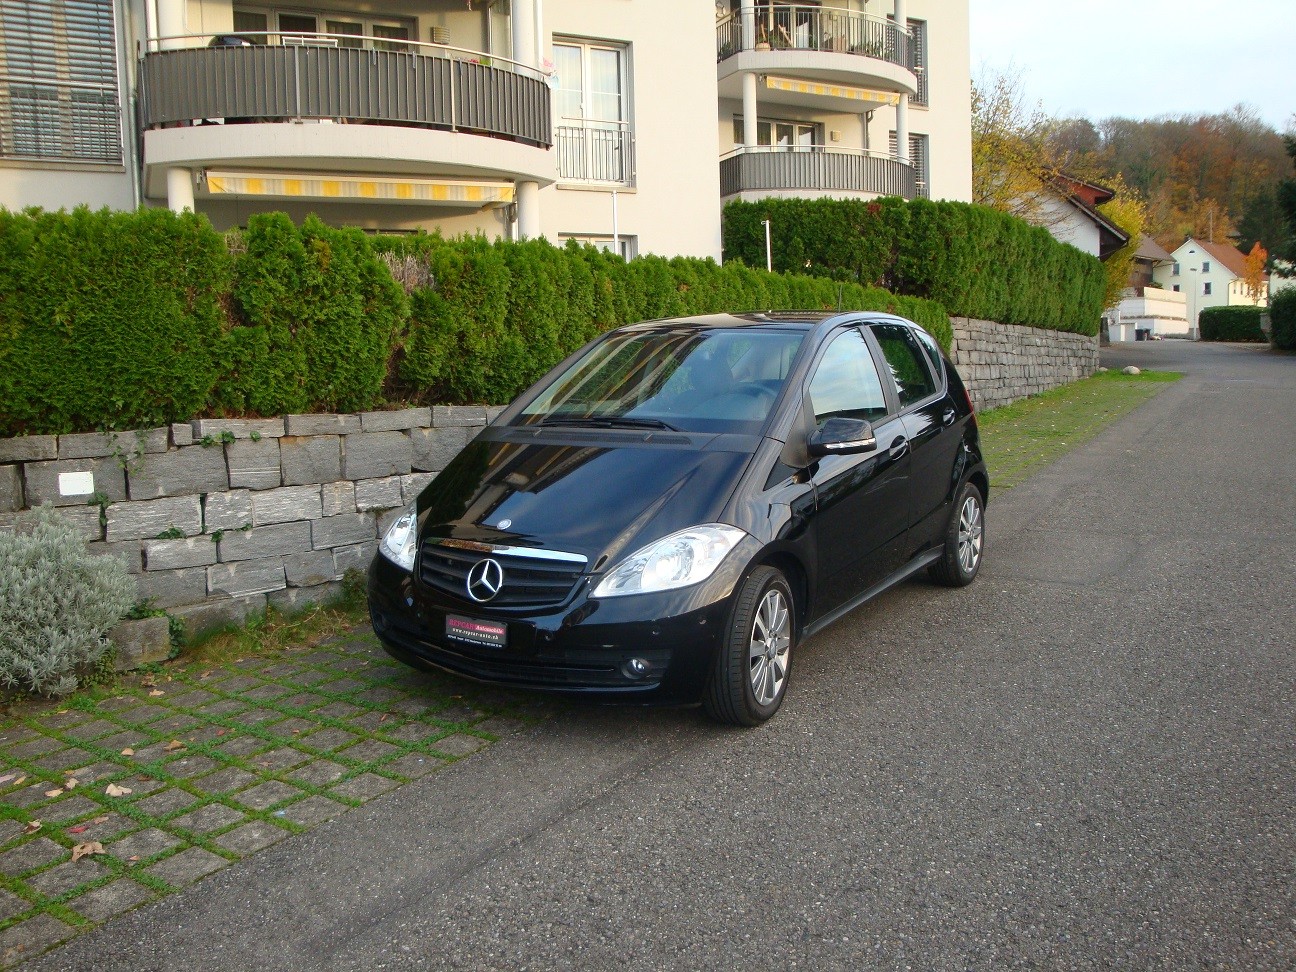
[320,76]
[783,26]
[814,169]
[592,151]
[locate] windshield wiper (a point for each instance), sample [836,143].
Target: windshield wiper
[612,422]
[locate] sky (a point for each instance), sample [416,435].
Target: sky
[1142,58]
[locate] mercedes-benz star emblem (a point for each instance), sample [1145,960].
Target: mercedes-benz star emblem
[485,580]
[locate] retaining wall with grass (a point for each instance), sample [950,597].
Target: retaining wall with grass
[218,518]
[1002,363]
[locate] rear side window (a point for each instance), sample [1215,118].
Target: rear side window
[846,382]
[933,354]
[907,361]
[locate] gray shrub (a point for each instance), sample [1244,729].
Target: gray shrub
[57,603]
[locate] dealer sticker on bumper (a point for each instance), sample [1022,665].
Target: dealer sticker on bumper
[491,634]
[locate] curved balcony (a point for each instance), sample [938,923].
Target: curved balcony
[826,44]
[310,102]
[813,171]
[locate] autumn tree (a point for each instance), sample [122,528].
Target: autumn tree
[1253,269]
[1128,211]
[1014,167]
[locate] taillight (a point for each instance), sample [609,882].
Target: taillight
[967,395]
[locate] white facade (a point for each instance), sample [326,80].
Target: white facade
[555,118]
[1159,313]
[1201,273]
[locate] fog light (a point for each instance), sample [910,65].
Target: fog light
[635,668]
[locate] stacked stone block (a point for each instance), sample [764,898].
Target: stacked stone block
[217,518]
[1002,363]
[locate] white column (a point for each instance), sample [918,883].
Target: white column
[528,210]
[902,14]
[902,109]
[749,108]
[524,32]
[748,15]
[171,22]
[180,190]
[539,33]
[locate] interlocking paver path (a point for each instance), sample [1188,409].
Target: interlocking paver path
[178,778]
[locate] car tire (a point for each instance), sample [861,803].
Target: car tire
[751,671]
[964,547]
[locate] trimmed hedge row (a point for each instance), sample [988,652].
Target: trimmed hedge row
[976,261]
[1231,324]
[1282,319]
[113,320]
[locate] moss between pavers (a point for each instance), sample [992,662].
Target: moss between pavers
[213,762]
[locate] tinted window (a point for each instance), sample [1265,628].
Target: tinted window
[906,359]
[846,382]
[933,354]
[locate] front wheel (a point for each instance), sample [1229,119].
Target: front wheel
[751,671]
[964,540]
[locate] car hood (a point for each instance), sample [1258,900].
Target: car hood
[599,495]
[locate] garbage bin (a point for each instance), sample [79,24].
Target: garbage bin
[1142,333]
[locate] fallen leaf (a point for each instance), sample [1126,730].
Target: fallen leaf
[156,692]
[383,717]
[68,772]
[20,781]
[61,712]
[100,820]
[133,857]
[148,681]
[71,783]
[54,793]
[173,745]
[79,829]
[32,827]
[86,849]
[128,751]
[221,732]
[7,777]
[113,790]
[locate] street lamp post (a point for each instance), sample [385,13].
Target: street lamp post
[1192,314]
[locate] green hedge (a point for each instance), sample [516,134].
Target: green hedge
[1282,319]
[127,320]
[1231,324]
[975,261]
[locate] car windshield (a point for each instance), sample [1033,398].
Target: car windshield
[687,379]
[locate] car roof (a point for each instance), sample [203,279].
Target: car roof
[798,320]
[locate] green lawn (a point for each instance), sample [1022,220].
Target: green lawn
[1020,438]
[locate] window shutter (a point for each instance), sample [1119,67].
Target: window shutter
[58,81]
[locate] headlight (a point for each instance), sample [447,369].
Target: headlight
[679,560]
[398,545]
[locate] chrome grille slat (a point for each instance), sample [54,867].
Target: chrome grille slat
[528,581]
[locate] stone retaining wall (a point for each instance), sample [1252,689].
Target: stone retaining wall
[217,518]
[1002,363]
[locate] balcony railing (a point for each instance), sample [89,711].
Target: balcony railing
[814,169]
[319,76]
[799,27]
[599,152]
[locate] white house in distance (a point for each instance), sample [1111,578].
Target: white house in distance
[1145,307]
[1209,275]
[1071,215]
[565,119]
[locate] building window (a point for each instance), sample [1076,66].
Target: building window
[1175,288]
[1205,266]
[592,132]
[348,29]
[1206,289]
[625,246]
[919,159]
[787,135]
[1174,271]
[58,82]
[918,59]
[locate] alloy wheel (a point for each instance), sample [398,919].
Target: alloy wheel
[970,533]
[771,640]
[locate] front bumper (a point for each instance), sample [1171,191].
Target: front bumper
[585,647]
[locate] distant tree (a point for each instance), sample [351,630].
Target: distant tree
[1286,198]
[1262,221]
[1014,165]
[1253,269]
[1129,212]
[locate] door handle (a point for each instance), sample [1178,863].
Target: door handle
[948,416]
[899,446]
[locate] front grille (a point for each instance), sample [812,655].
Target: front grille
[528,581]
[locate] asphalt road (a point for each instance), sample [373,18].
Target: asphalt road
[1085,760]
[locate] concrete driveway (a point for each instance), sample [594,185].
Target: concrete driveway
[1085,760]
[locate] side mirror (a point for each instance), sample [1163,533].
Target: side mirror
[841,437]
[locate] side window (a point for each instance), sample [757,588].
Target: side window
[933,355]
[846,382]
[907,362]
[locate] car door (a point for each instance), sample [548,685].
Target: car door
[861,501]
[929,417]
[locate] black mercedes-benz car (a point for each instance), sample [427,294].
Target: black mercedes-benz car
[669,511]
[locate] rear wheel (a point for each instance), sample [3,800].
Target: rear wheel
[751,671]
[964,540]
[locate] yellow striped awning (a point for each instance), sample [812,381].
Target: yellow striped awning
[826,90]
[358,188]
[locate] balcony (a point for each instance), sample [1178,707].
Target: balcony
[825,44]
[813,171]
[313,101]
[600,153]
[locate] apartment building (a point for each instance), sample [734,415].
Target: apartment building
[516,118]
[1208,275]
